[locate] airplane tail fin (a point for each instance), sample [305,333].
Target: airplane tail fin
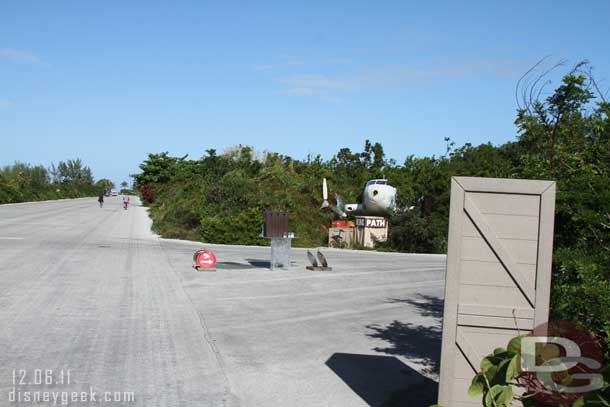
[339,209]
[340,203]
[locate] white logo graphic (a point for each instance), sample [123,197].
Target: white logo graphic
[572,358]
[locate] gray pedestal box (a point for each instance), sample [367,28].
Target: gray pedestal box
[280,252]
[276,229]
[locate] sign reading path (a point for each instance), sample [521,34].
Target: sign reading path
[498,273]
[371,222]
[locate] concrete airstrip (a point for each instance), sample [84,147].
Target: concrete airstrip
[91,290]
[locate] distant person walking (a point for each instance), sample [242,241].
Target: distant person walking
[101,200]
[125,201]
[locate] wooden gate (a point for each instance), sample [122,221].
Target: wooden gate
[498,273]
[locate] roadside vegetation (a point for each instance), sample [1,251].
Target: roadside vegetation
[125,190]
[565,137]
[23,182]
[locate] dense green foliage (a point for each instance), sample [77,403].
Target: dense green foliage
[23,182]
[220,198]
[565,137]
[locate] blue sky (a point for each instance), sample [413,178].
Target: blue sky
[112,81]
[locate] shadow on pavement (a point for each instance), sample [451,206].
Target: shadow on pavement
[383,381]
[427,305]
[231,265]
[259,263]
[422,343]
[266,264]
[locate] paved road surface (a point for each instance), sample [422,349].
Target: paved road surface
[92,291]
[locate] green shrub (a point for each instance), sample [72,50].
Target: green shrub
[243,228]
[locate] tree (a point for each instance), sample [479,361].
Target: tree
[72,172]
[105,184]
[156,169]
[23,182]
[566,137]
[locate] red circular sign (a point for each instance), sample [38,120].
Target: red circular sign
[205,259]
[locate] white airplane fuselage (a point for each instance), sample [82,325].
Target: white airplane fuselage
[378,199]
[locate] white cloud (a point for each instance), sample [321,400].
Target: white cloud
[286,63]
[318,85]
[312,85]
[337,61]
[16,55]
[301,91]
[398,76]
[264,67]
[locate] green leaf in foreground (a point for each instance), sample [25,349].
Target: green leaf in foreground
[514,346]
[501,395]
[512,371]
[477,386]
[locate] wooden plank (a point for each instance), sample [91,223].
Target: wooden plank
[503,185]
[492,274]
[504,227]
[448,348]
[460,389]
[486,339]
[545,255]
[495,322]
[462,369]
[479,249]
[491,295]
[499,249]
[473,357]
[506,204]
[495,310]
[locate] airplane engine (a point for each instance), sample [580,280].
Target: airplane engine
[353,207]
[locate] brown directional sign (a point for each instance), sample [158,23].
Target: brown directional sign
[275,224]
[498,273]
